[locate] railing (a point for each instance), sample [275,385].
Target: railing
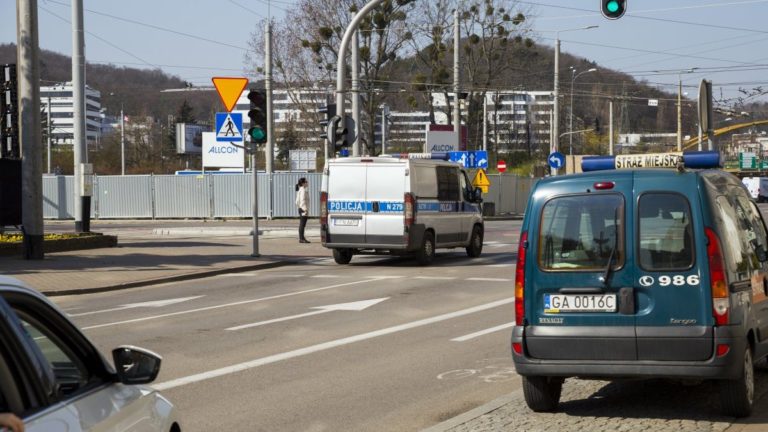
[221,196]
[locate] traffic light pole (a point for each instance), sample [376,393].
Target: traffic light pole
[355,93]
[254,175]
[342,63]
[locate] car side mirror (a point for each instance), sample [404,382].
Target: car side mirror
[477,195]
[136,365]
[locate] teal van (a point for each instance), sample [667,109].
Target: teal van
[629,270]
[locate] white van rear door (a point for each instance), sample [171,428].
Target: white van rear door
[386,195]
[347,202]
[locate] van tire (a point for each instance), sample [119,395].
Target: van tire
[475,247]
[426,252]
[342,256]
[542,394]
[738,396]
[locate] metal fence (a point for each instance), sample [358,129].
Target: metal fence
[220,196]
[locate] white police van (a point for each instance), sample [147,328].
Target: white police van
[398,205]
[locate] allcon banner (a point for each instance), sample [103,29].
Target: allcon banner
[221,154]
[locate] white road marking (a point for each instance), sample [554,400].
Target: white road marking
[322,276]
[325,346]
[149,304]
[479,279]
[483,332]
[353,306]
[435,277]
[227,305]
[500,265]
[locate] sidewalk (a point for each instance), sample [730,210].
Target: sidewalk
[151,252]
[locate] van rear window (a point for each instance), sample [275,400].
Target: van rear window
[580,232]
[666,232]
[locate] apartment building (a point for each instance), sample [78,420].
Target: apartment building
[62,113]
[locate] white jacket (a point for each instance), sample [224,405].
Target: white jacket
[302,199]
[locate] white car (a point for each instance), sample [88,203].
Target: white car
[53,377]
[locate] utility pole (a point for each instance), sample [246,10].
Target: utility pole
[82,203]
[50,129]
[355,92]
[122,140]
[556,101]
[384,115]
[610,128]
[270,145]
[456,79]
[28,77]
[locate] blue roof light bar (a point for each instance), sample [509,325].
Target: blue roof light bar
[691,159]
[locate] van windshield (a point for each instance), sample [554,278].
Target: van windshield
[579,232]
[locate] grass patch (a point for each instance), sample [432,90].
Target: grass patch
[18,237]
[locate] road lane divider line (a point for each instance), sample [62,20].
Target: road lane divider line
[207,308]
[215,373]
[499,265]
[480,279]
[435,277]
[322,276]
[483,332]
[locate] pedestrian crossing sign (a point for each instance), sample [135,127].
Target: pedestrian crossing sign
[229,127]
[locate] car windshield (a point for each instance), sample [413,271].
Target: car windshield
[579,232]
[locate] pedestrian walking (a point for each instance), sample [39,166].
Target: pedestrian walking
[302,203]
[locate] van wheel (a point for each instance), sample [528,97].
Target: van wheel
[475,247]
[542,394]
[737,396]
[342,256]
[426,252]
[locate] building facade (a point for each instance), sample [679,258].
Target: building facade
[516,120]
[62,113]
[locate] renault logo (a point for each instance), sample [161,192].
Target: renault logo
[646,281]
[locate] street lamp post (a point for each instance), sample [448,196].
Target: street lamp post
[574,75]
[555,145]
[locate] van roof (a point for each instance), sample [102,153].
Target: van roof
[389,160]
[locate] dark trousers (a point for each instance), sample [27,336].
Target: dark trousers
[302,223]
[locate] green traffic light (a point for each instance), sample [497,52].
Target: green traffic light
[257,134]
[612,6]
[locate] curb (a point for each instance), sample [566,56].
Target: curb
[475,413]
[174,278]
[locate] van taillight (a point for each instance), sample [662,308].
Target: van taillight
[718,284]
[323,208]
[410,209]
[520,279]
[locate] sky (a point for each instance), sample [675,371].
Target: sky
[724,41]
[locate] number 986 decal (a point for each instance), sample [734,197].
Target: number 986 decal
[675,280]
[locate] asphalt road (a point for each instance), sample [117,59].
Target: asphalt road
[251,351]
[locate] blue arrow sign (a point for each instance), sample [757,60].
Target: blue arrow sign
[229,127]
[556,160]
[470,159]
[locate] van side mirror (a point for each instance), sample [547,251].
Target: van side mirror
[136,365]
[761,253]
[477,195]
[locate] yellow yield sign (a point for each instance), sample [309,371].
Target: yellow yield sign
[481,181]
[229,90]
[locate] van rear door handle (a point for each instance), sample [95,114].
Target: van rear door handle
[627,301]
[587,290]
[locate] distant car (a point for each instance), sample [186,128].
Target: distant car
[53,377]
[757,187]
